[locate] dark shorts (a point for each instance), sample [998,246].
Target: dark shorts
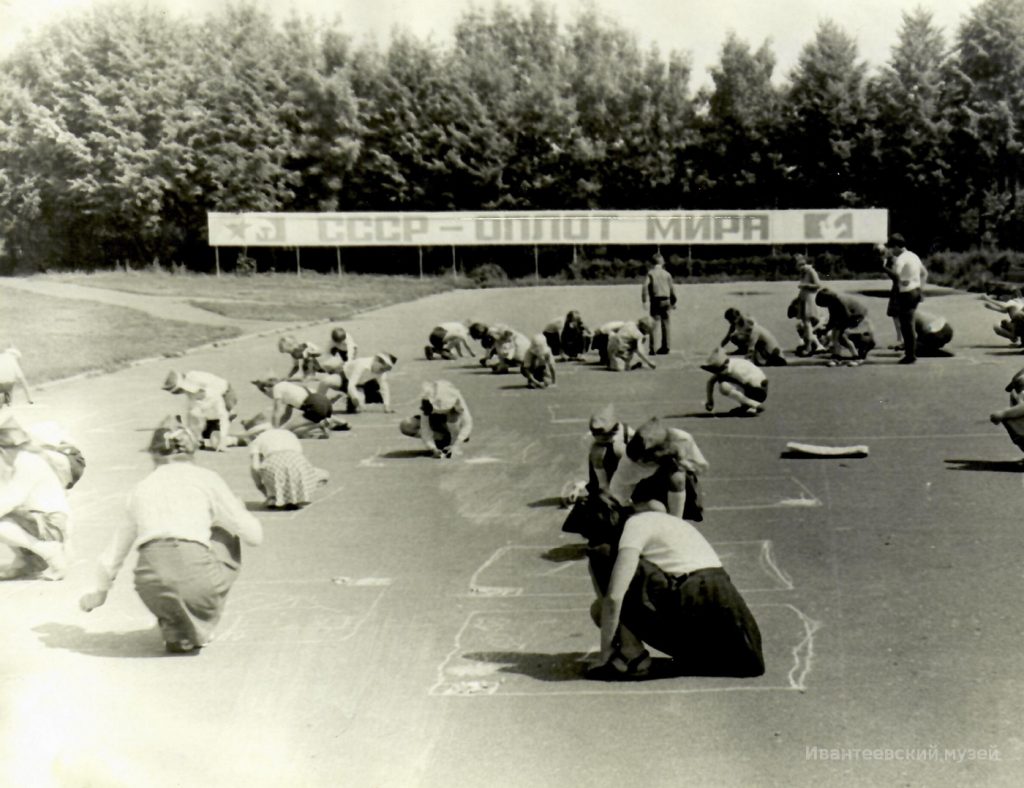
[554,340]
[316,408]
[907,302]
[211,426]
[660,307]
[437,337]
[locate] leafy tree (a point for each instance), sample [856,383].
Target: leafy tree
[824,122]
[910,130]
[987,113]
[739,131]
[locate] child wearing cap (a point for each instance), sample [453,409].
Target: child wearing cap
[342,346]
[1012,418]
[10,375]
[188,526]
[448,339]
[625,345]
[538,365]
[738,379]
[209,409]
[443,423]
[34,512]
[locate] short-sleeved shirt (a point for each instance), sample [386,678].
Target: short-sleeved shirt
[744,372]
[909,270]
[359,371]
[629,336]
[195,380]
[452,330]
[290,393]
[672,544]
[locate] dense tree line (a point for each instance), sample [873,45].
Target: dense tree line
[122,127]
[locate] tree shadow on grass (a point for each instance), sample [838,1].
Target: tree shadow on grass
[137,644]
[994,466]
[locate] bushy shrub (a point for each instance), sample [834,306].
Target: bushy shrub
[488,275]
[245,265]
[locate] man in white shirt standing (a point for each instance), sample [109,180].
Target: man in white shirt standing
[910,275]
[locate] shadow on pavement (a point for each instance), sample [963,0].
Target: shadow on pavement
[137,644]
[543,502]
[568,552]
[542,667]
[404,454]
[997,466]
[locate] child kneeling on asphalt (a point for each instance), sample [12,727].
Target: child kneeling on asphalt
[539,364]
[1012,418]
[444,421]
[738,379]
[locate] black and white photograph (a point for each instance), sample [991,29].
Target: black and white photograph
[511,393]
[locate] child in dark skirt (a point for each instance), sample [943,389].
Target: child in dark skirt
[663,585]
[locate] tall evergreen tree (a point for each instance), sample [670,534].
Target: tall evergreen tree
[910,132]
[988,118]
[825,118]
[741,167]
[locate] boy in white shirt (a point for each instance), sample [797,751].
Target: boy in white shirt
[737,379]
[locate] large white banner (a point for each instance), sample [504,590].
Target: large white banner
[506,228]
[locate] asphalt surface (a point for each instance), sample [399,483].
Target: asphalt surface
[424,623]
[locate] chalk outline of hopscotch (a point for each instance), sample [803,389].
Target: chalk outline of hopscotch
[766,561]
[231,635]
[802,653]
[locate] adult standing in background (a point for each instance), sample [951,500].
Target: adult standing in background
[910,275]
[659,296]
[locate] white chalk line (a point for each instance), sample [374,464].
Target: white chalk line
[766,561]
[802,653]
[350,630]
[316,501]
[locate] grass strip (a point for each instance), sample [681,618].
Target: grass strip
[60,337]
[269,296]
